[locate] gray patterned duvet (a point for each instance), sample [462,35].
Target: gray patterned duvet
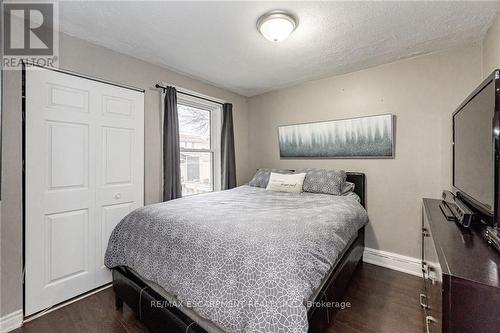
[247,259]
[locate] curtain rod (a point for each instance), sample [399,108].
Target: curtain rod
[188,94]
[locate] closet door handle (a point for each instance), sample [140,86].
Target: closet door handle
[425,232]
[118,195]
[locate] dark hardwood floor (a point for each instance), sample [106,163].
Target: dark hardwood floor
[381,300]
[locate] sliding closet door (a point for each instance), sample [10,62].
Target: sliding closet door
[83,173]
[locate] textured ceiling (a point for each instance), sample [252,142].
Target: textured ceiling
[218,42]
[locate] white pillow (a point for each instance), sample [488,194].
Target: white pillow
[292,183]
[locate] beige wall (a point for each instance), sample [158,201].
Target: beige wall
[83,57]
[422,92]
[491,48]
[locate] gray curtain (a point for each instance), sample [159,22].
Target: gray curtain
[171,152]
[228,165]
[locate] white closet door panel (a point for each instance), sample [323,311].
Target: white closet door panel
[121,176]
[117,154]
[110,216]
[67,97]
[67,165]
[60,190]
[67,245]
[68,146]
[116,104]
[84,172]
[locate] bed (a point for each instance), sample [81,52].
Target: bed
[242,260]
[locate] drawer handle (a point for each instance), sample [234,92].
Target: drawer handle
[424,266]
[425,269]
[118,195]
[422,303]
[425,232]
[428,321]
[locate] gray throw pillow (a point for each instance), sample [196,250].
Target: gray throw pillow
[348,188]
[261,177]
[324,181]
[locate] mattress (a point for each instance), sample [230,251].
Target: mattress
[246,259]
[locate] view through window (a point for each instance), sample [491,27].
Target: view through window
[197,149]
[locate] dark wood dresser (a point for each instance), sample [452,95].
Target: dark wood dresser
[461,274]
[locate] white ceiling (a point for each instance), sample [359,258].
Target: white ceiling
[218,42]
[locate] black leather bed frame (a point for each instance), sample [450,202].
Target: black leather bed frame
[144,301]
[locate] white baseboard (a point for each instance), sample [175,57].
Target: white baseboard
[393,261]
[11,321]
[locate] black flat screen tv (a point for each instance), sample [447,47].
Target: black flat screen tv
[476,132]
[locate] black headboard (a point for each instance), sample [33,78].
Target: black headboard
[358,179]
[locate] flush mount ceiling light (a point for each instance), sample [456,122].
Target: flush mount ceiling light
[276,25]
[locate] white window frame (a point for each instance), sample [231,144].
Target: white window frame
[215,110]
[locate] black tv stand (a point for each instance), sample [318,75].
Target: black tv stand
[461,284]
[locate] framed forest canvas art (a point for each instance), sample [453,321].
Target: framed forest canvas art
[363,137]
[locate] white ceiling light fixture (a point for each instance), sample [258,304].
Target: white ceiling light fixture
[276,25]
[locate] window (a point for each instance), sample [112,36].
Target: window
[199,133]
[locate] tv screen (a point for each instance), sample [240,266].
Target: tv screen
[473,151]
